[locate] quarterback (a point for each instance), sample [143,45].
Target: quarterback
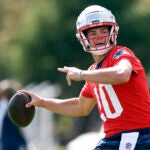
[116,83]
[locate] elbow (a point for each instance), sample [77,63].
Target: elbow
[124,73]
[126,79]
[122,78]
[85,113]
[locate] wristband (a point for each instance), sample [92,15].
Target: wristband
[80,75]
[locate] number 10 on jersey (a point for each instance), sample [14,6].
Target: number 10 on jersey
[107,98]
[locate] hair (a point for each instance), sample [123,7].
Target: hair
[85,31]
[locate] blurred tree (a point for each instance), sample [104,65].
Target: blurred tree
[10,23]
[40,36]
[134,30]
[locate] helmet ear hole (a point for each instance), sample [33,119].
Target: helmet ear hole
[109,28]
[85,41]
[85,33]
[88,47]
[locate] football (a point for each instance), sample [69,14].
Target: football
[17,112]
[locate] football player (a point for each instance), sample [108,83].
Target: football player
[116,82]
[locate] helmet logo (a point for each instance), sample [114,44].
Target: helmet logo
[95,21]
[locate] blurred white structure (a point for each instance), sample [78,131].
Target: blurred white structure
[39,133]
[86,141]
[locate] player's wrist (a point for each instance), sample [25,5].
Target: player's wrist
[80,75]
[41,102]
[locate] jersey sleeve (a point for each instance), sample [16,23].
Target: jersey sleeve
[125,53]
[86,90]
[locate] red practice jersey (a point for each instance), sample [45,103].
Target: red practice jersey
[124,106]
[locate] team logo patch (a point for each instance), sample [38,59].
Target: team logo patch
[128,146]
[119,53]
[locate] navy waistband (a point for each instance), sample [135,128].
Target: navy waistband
[141,131]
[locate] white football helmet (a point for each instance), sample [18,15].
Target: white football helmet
[92,17]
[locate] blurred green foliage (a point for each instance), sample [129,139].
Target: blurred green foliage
[38,36]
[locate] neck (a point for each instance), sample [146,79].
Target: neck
[98,58]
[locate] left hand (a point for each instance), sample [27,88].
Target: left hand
[73,73]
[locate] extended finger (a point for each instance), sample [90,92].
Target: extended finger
[68,80]
[65,70]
